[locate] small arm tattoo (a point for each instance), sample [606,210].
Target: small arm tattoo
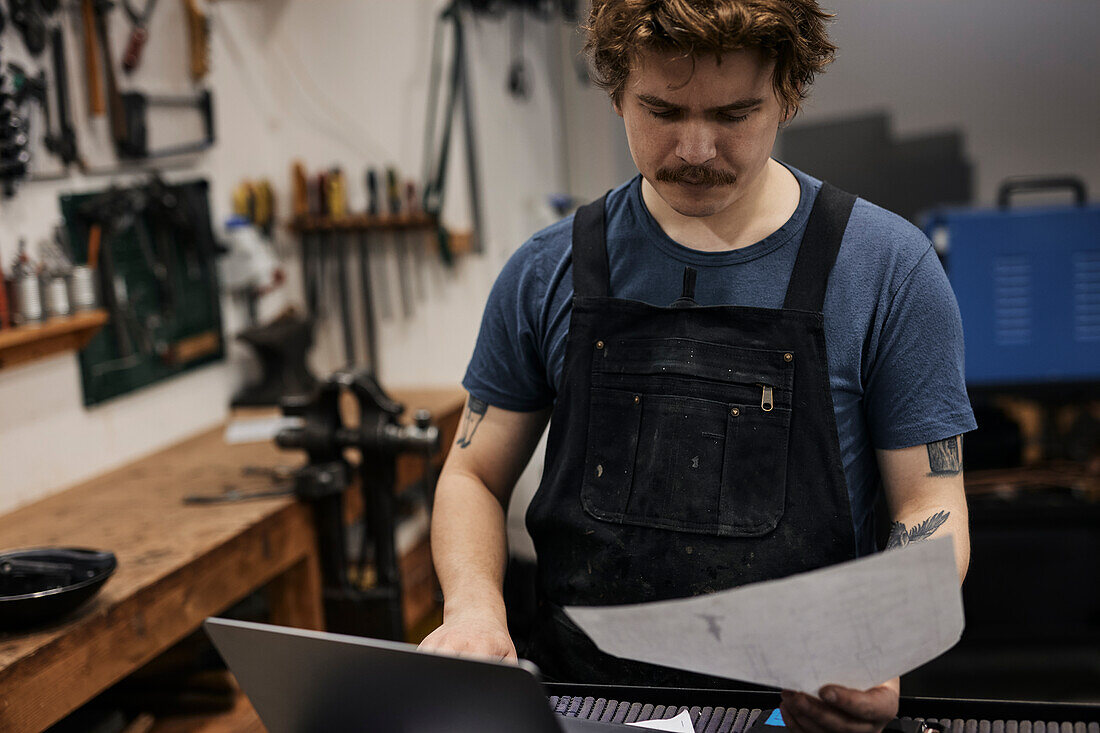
[900,537]
[943,457]
[475,413]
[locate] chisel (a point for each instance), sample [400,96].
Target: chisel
[393,194]
[413,210]
[115,112]
[337,210]
[301,208]
[374,209]
[369,319]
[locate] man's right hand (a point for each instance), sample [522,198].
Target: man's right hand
[472,636]
[469,538]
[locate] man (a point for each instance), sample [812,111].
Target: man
[736,357]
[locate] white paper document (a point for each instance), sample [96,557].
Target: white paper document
[855,624]
[258,430]
[679,724]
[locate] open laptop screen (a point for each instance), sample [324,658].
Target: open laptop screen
[299,680]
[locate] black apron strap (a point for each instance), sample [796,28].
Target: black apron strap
[591,273]
[819,248]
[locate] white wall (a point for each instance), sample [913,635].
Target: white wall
[1017,76]
[339,82]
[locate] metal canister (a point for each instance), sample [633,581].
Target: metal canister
[57,296]
[82,289]
[28,299]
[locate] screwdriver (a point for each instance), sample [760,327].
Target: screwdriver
[413,211]
[374,208]
[393,195]
[300,202]
[336,197]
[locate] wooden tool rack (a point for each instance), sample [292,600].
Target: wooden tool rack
[324,238]
[178,564]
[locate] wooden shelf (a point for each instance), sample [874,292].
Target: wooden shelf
[37,341]
[361,222]
[461,241]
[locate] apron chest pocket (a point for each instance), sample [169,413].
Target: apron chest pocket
[668,449]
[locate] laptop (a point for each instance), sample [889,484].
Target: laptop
[301,681]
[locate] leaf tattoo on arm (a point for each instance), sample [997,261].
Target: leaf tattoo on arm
[475,413]
[900,537]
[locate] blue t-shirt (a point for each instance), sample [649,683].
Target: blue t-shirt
[892,327]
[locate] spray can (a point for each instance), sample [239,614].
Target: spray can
[82,290]
[28,299]
[57,296]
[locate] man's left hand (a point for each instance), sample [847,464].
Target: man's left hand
[841,709]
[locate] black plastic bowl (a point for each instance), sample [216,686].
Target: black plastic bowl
[43,584]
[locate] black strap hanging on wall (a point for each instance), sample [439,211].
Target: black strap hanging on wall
[435,158]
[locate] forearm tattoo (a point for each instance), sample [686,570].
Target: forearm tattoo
[943,457]
[475,413]
[900,537]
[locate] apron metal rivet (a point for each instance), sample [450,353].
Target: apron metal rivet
[734,411]
[637,399]
[788,357]
[599,344]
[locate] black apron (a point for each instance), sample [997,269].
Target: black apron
[692,449]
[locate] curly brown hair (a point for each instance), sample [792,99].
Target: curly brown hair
[792,32]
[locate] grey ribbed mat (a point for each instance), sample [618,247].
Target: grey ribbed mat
[736,720]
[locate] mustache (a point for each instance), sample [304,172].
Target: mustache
[696,174]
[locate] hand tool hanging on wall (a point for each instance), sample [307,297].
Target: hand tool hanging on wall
[115,111]
[27,18]
[97,106]
[374,209]
[370,323]
[366,280]
[336,196]
[436,153]
[393,198]
[139,33]
[350,608]
[519,80]
[198,39]
[413,210]
[255,201]
[135,110]
[63,145]
[309,241]
[323,252]
[106,216]
[30,89]
[170,212]
[14,135]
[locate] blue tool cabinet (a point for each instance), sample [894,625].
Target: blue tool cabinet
[1028,286]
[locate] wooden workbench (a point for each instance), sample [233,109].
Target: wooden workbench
[177,563]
